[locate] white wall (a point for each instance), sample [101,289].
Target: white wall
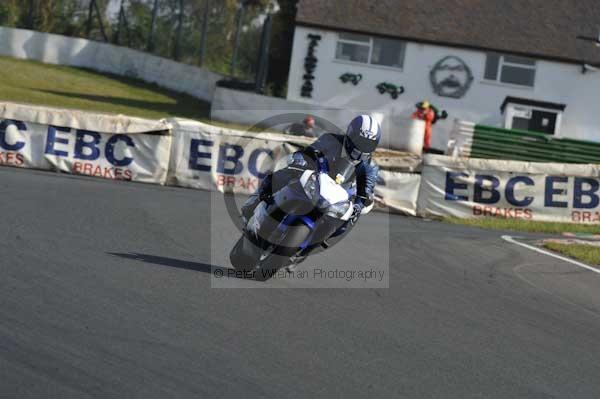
[103,57]
[247,108]
[554,82]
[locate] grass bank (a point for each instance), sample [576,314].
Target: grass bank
[526,225]
[586,253]
[60,86]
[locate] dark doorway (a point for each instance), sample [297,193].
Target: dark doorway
[542,121]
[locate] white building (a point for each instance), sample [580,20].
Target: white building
[512,63]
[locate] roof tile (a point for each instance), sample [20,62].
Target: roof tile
[539,28]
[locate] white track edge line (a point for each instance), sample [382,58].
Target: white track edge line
[536,249]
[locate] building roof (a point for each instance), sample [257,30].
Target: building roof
[538,28]
[530,102]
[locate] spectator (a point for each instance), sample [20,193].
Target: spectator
[426,113]
[306,128]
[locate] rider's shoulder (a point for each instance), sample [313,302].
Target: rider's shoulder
[328,135]
[324,140]
[330,138]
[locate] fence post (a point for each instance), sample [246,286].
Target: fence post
[118,31]
[263,56]
[204,32]
[236,43]
[126,25]
[89,18]
[150,46]
[99,15]
[177,50]
[30,14]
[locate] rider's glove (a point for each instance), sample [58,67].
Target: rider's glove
[298,160]
[357,209]
[264,196]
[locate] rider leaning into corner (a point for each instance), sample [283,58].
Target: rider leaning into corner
[361,139]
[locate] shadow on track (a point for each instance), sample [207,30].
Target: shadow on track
[217,271]
[172,262]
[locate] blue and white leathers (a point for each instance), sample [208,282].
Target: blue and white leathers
[366,171]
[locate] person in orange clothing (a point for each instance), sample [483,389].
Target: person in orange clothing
[426,113]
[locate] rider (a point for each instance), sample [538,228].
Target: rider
[361,139]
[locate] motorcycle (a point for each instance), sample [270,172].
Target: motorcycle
[309,203]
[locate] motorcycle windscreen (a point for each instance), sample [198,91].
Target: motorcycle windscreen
[282,177]
[341,170]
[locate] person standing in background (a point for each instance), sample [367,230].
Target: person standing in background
[306,128]
[425,113]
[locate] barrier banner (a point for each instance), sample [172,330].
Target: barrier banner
[210,158]
[470,188]
[22,144]
[398,191]
[134,157]
[108,146]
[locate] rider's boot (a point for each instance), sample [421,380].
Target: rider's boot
[261,194]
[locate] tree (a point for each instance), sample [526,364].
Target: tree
[69,17]
[10,14]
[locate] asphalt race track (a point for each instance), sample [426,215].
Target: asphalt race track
[105,292]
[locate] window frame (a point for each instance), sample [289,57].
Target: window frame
[368,44]
[371,45]
[502,62]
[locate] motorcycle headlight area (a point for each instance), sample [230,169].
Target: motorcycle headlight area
[341,210]
[309,183]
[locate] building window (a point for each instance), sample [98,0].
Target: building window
[510,69]
[368,50]
[532,115]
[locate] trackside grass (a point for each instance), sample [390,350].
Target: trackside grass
[526,225]
[586,253]
[60,86]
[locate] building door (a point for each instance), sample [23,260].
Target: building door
[542,121]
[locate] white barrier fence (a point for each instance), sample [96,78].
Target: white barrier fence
[468,187]
[197,155]
[104,57]
[175,152]
[398,191]
[461,139]
[209,158]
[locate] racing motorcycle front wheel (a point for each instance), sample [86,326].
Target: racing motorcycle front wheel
[243,255]
[262,263]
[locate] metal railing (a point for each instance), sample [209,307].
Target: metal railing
[479,141]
